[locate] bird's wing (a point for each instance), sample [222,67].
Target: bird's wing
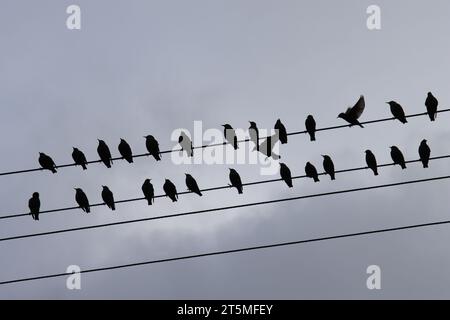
[357,110]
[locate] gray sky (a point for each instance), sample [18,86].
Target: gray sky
[149,67]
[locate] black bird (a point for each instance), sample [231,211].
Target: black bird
[186,144]
[170,190]
[353,113]
[281,130]
[125,151]
[424,153]
[46,162]
[192,184]
[397,111]
[235,180]
[79,158]
[108,198]
[310,125]
[254,134]
[371,162]
[82,200]
[153,147]
[104,153]
[432,104]
[397,157]
[328,166]
[285,174]
[149,192]
[311,172]
[230,135]
[34,204]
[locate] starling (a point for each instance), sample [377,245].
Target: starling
[424,152]
[230,135]
[104,153]
[371,162]
[170,190]
[432,104]
[310,125]
[254,134]
[235,180]
[397,111]
[149,193]
[152,147]
[192,185]
[353,113]
[285,174]
[328,166]
[108,198]
[186,144]
[280,129]
[82,200]
[34,204]
[46,162]
[79,158]
[125,151]
[266,147]
[397,157]
[311,172]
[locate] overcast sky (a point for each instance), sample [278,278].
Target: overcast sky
[149,67]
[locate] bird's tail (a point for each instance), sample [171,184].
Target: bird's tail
[149,201]
[313,136]
[333,177]
[375,172]
[200,194]
[54,170]
[157,157]
[403,166]
[240,190]
[316,179]
[290,184]
[88,209]
[84,166]
[425,164]
[113,207]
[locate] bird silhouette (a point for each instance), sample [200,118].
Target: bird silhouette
[281,132]
[79,158]
[285,174]
[125,151]
[104,153]
[235,180]
[397,111]
[82,200]
[266,147]
[397,157]
[46,162]
[192,184]
[353,113]
[424,153]
[108,198]
[35,205]
[371,162]
[311,172]
[328,166]
[432,104]
[186,144]
[149,192]
[230,135]
[310,125]
[254,134]
[170,190]
[153,147]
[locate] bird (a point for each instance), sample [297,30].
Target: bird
[170,190]
[424,153]
[46,162]
[266,147]
[153,147]
[34,204]
[192,184]
[431,103]
[397,157]
[328,166]
[254,134]
[397,111]
[186,144]
[79,158]
[310,125]
[149,192]
[104,153]
[82,200]
[230,135]
[371,162]
[108,198]
[125,151]
[235,180]
[280,129]
[285,174]
[353,113]
[311,172]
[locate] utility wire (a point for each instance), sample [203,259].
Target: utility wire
[219,144]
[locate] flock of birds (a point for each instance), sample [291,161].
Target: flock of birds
[351,115]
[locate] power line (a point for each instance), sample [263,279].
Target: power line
[218,144]
[218,209]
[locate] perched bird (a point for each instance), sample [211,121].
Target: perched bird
[230,135]
[34,204]
[192,184]
[310,125]
[170,190]
[104,153]
[46,162]
[254,134]
[79,158]
[397,157]
[431,103]
[311,172]
[186,144]
[285,174]
[235,180]
[152,147]
[328,166]
[371,162]
[424,153]
[108,198]
[353,113]
[266,147]
[82,200]
[397,111]
[149,192]
[125,151]
[280,129]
